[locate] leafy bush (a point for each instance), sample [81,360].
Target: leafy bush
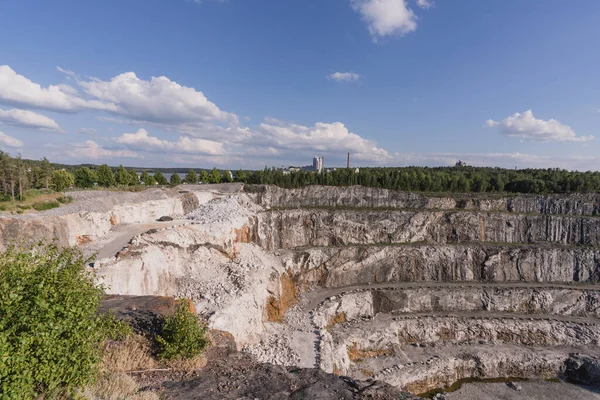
[23,206]
[50,330]
[182,335]
[45,206]
[65,199]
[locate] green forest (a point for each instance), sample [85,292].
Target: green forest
[18,175]
[439,179]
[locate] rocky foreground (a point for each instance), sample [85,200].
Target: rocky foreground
[396,291]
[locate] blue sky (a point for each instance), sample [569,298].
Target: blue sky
[249,83]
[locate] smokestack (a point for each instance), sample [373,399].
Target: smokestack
[348,166]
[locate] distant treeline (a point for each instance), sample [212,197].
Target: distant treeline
[442,179]
[17,174]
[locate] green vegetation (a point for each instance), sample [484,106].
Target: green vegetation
[45,206]
[17,176]
[61,180]
[438,180]
[50,329]
[160,178]
[191,177]
[64,199]
[204,177]
[182,335]
[147,179]
[85,178]
[175,179]
[215,176]
[105,176]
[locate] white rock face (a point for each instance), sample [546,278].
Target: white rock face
[421,295]
[228,280]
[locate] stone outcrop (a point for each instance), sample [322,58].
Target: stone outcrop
[287,229]
[352,265]
[360,196]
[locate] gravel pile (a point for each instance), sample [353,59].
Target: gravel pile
[274,349]
[224,281]
[222,213]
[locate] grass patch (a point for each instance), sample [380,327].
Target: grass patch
[64,199]
[116,386]
[132,354]
[30,198]
[45,206]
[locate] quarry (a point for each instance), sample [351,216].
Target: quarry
[419,292]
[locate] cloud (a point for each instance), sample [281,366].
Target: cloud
[88,131]
[425,4]
[322,138]
[92,150]
[20,91]
[66,71]
[28,119]
[386,17]
[143,142]
[9,140]
[344,76]
[156,100]
[528,128]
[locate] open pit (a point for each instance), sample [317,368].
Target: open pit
[416,291]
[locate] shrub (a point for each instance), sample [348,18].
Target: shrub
[61,180]
[65,199]
[50,330]
[23,206]
[182,335]
[45,206]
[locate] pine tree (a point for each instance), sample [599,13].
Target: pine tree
[175,179]
[191,177]
[160,178]
[204,176]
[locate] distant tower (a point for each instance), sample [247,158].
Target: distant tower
[348,164]
[318,163]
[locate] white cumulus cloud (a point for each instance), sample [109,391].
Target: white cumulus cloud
[386,17]
[20,91]
[92,150]
[143,142]
[157,100]
[526,127]
[344,76]
[9,140]
[323,138]
[28,119]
